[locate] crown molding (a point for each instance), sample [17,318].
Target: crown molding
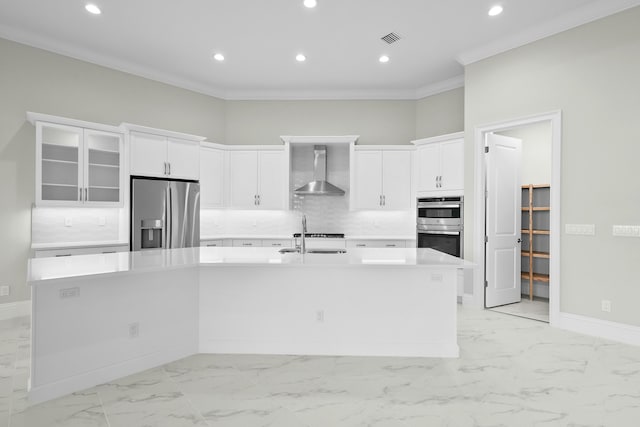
[328,95]
[584,15]
[439,87]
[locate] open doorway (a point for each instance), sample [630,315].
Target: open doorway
[534,211]
[517,222]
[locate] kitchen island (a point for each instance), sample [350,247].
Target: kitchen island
[100,317]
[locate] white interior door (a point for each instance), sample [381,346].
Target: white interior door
[503,220]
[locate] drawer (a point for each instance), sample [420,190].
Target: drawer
[379,243]
[322,243]
[277,243]
[244,243]
[45,253]
[212,243]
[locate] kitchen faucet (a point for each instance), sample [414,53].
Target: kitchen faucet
[303,248]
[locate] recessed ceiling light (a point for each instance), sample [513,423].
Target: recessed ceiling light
[300,57]
[92,8]
[310,3]
[495,10]
[218,57]
[383,59]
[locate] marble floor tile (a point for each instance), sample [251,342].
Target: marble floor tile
[511,372]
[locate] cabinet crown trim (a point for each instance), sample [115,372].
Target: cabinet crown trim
[403,147]
[33,118]
[161,132]
[439,138]
[335,139]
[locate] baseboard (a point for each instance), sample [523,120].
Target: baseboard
[109,373]
[621,332]
[15,309]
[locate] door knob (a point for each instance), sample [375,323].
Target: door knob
[519,240]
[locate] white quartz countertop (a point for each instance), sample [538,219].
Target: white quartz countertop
[45,269]
[73,245]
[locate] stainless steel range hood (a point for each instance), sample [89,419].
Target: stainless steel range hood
[319,186]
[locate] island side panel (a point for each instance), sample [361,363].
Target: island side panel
[407,311]
[84,329]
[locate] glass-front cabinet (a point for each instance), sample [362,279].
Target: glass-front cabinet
[77,166]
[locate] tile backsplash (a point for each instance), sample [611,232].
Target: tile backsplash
[56,225]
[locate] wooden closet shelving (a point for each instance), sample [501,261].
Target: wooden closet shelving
[534,205]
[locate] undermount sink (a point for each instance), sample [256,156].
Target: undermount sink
[326,251]
[313,251]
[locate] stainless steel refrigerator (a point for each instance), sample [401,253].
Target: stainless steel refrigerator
[164,213]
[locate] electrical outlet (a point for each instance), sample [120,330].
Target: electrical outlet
[70,292]
[626,230]
[67,221]
[580,229]
[102,221]
[320,316]
[134,330]
[606,306]
[4,290]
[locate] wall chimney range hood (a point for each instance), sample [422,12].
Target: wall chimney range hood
[319,186]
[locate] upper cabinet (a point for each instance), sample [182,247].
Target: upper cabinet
[381,178]
[440,165]
[166,154]
[212,176]
[258,178]
[77,163]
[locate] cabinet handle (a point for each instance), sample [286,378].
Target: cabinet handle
[380,202]
[258,199]
[213,244]
[79,194]
[86,194]
[247,244]
[390,245]
[384,200]
[361,245]
[59,255]
[165,168]
[169,163]
[255,199]
[109,252]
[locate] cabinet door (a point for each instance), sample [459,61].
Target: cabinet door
[272,189]
[211,178]
[148,154]
[428,165]
[103,168]
[243,179]
[368,179]
[396,180]
[182,156]
[59,171]
[452,165]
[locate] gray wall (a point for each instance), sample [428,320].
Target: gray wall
[440,114]
[591,74]
[36,80]
[377,122]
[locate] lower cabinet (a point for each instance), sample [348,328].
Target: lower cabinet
[45,253]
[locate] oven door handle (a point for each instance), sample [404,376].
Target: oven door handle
[437,205]
[448,233]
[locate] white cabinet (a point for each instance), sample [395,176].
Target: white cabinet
[377,243]
[382,179]
[162,156]
[258,179]
[440,165]
[212,177]
[77,165]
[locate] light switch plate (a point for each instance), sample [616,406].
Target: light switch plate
[626,230]
[102,220]
[4,290]
[580,229]
[67,221]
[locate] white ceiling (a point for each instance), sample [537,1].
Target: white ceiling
[173,41]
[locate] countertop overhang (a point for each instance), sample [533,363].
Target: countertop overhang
[49,269]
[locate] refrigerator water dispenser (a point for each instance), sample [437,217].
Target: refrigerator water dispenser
[151,233]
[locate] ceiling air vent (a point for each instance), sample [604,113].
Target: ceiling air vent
[390,38]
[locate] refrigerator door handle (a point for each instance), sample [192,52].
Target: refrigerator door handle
[169,218]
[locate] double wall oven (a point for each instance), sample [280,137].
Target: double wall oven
[440,224]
